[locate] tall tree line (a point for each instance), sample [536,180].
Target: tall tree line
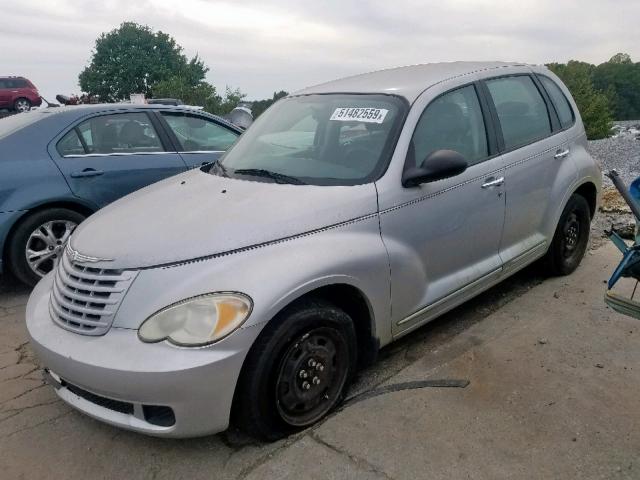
[605,92]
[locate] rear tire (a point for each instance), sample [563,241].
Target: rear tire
[570,239]
[297,371]
[60,222]
[22,105]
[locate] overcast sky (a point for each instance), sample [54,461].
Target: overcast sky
[264,46]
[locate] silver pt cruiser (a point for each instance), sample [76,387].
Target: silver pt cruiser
[347,216]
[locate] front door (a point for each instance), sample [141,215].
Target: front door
[109,156]
[443,239]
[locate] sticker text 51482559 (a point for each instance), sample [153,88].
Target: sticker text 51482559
[359,114]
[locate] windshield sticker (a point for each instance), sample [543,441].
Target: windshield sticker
[368,115]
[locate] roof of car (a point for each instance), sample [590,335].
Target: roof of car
[409,81]
[77,111]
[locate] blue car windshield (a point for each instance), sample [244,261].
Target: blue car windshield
[335,139]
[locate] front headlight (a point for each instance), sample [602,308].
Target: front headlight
[197,321]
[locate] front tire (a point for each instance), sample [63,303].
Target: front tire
[38,242]
[570,239]
[297,371]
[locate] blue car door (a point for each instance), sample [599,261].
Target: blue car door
[200,139]
[110,155]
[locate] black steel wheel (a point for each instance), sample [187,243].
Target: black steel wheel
[312,374]
[297,371]
[570,239]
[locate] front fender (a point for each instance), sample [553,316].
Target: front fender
[274,275]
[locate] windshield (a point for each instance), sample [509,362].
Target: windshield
[335,139]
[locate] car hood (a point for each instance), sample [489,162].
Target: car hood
[197,214]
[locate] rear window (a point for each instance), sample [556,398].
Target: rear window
[13,123]
[13,83]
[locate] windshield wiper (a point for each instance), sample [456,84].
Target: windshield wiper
[277,177]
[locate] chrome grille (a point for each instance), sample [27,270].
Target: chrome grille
[85,299]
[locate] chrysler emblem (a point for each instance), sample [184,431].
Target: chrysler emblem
[76,256]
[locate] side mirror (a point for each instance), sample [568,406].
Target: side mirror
[438,165]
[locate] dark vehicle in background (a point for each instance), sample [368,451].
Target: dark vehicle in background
[58,166]
[18,94]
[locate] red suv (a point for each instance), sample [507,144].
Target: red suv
[18,93]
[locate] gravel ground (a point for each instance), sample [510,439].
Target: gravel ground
[620,152]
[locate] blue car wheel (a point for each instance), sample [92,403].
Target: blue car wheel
[38,242]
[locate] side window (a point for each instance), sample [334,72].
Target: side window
[521,110]
[118,133]
[70,145]
[563,107]
[199,134]
[452,122]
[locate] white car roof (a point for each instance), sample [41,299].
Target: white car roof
[409,81]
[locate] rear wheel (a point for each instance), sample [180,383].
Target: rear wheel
[571,237]
[22,105]
[38,242]
[297,371]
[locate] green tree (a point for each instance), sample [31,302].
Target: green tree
[133,59]
[181,88]
[592,103]
[259,106]
[620,77]
[202,94]
[230,100]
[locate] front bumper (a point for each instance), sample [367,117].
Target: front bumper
[197,384]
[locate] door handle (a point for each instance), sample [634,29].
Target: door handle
[493,182]
[560,154]
[87,172]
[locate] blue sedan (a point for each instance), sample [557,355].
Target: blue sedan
[59,165]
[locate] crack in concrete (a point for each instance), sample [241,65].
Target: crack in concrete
[264,458]
[358,461]
[8,417]
[22,409]
[22,355]
[38,424]
[23,393]
[22,375]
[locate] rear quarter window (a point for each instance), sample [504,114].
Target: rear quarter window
[560,102]
[70,144]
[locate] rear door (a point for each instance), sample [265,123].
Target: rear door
[535,155]
[200,139]
[110,155]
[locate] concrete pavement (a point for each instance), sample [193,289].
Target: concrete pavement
[554,392]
